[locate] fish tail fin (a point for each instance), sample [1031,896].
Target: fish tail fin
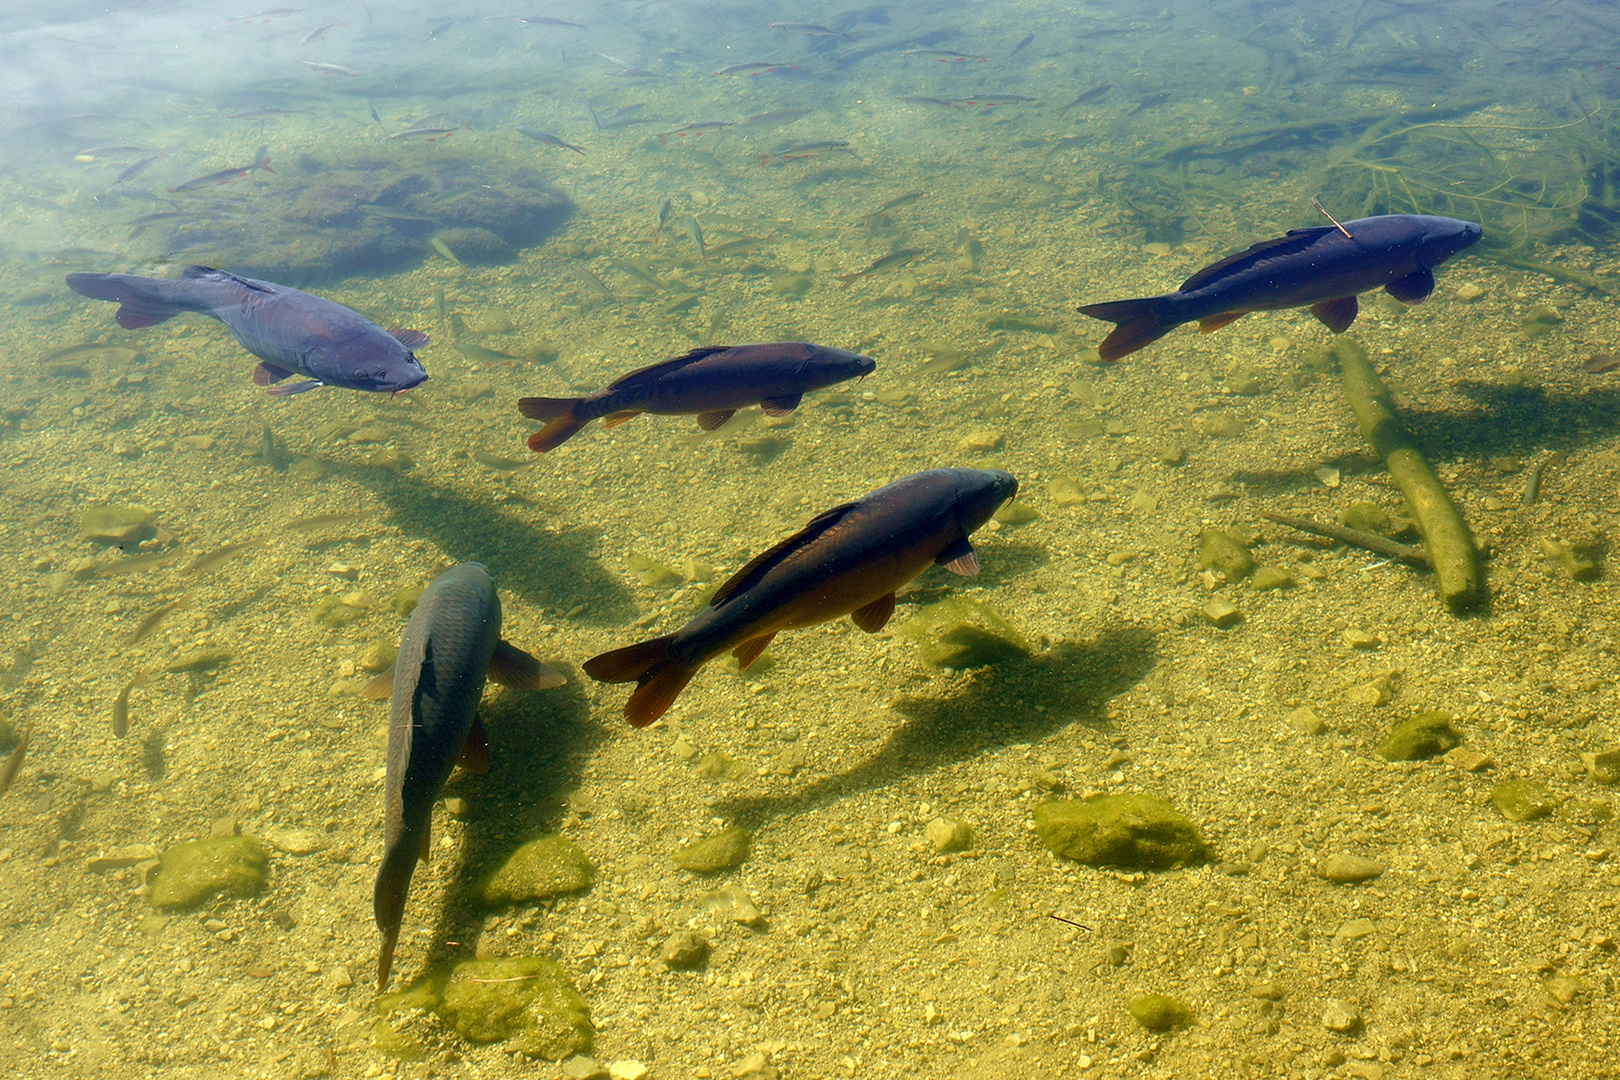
[140,300]
[561,425]
[1137,323]
[660,677]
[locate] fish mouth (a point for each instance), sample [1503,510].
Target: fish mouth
[398,390]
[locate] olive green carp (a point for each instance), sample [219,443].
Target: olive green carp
[451,644]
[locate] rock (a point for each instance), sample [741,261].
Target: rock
[734,903]
[527,1001]
[1160,1012]
[1368,518]
[1523,800]
[1340,1017]
[477,247]
[404,601]
[1268,578]
[1468,760]
[1016,513]
[1602,765]
[725,850]
[1065,491]
[1468,292]
[389,1041]
[332,612]
[114,524]
[957,632]
[1349,869]
[1578,557]
[1305,721]
[1361,639]
[378,657]
[1353,930]
[191,872]
[1563,989]
[948,835]
[119,858]
[1218,550]
[685,950]
[583,1067]
[1422,737]
[981,441]
[1223,614]
[1371,694]
[542,868]
[1131,830]
[627,1070]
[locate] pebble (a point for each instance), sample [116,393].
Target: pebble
[1563,988]
[582,1067]
[1305,721]
[1354,930]
[1222,613]
[293,841]
[1348,869]
[684,950]
[1340,1017]
[1602,765]
[981,441]
[1361,639]
[627,1070]
[1468,759]
[1468,292]
[948,835]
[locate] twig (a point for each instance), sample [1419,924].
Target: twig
[1394,549]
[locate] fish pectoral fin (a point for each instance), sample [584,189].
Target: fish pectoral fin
[615,419]
[269,374]
[295,388]
[380,687]
[959,558]
[709,421]
[781,406]
[1337,315]
[1414,288]
[1215,322]
[475,751]
[511,666]
[411,339]
[747,652]
[874,616]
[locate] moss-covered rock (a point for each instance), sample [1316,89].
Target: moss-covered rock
[405,600]
[548,866]
[1368,518]
[526,1001]
[960,633]
[1160,1012]
[1220,551]
[1424,736]
[1131,830]
[1523,800]
[192,872]
[115,524]
[725,850]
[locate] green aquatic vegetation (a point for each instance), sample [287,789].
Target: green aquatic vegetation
[960,633]
[527,1002]
[1133,830]
[1159,1012]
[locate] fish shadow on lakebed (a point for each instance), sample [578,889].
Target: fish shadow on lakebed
[1072,682]
[539,744]
[548,568]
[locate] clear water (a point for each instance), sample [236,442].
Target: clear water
[1157,139]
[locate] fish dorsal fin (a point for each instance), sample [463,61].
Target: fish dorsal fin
[654,372]
[1287,244]
[208,273]
[762,563]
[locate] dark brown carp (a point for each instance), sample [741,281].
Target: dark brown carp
[847,561]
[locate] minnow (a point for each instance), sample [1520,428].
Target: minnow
[1023,42]
[755,69]
[451,645]
[711,383]
[120,707]
[808,29]
[273,13]
[315,34]
[444,249]
[136,563]
[923,99]
[664,207]
[870,220]
[1322,268]
[94,152]
[213,560]
[330,69]
[321,521]
[14,763]
[807,150]
[135,170]
[261,160]
[147,625]
[701,127]
[993,99]
[887,262]
[849,560]
[694,233]
[548,139]
[429,133]
[269,110]
[1085,96]
[944,56]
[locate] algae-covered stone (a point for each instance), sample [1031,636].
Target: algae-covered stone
[390,1042]
[1601,765]
[379,656]
[548,866]
[685,950]
[1222,613]
[405,600]
[1160,1012]
[1016,513]
[114,524]
[527,1001]
[1267,578]
[1424,736]
[725,850]
[333,612]
[1523,800]
[1131,830]
[960,633]
[653,573]
[1218,550]
[191,872]
[1368,518]
[947,835]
